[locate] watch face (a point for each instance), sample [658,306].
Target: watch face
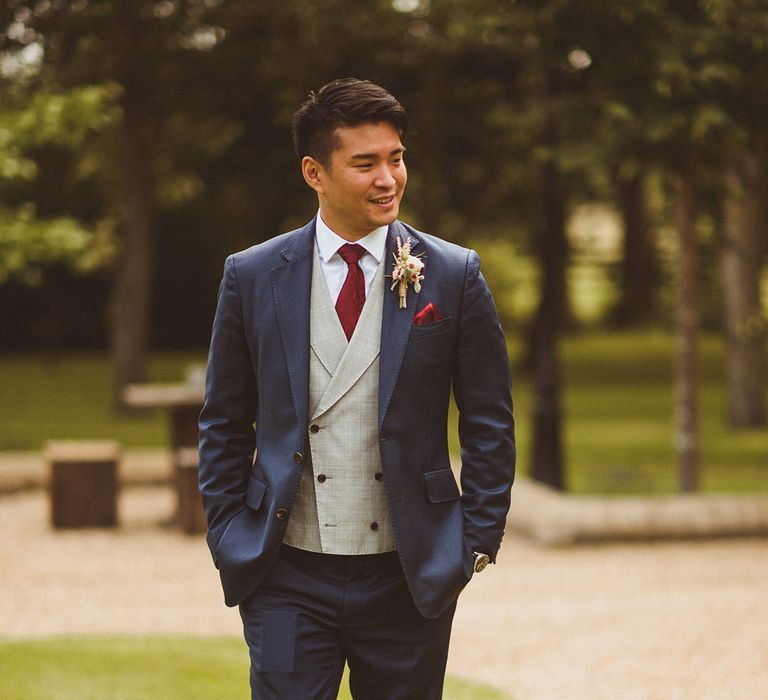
[481,561]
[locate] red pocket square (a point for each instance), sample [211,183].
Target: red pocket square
[429,314]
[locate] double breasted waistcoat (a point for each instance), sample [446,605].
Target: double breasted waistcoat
[341,506]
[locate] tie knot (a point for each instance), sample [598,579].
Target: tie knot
[351,253]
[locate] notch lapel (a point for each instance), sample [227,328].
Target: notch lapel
[395,323]
[291,285]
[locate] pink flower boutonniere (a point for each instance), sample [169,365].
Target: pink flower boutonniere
[407,270]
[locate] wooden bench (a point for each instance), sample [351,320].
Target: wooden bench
[83,483]
[183,401]
[190,505]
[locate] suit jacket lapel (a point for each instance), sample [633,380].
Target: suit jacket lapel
[395,323]
[291,285]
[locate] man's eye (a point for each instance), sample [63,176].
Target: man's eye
[363,166]
[397,161]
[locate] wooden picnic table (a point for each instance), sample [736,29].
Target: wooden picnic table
[182,400]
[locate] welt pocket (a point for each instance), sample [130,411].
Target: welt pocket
[441,486]
[254,496]
[424,329]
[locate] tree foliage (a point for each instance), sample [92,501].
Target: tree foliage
[31,241]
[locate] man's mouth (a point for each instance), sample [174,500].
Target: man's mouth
[388,199]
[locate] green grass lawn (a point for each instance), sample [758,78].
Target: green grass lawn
[133,668]
[619,409]
[71,397]
[618,406]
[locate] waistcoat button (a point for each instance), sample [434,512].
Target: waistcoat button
[281,514]
[374,526]
[378,476]
[314,428]
[321,478]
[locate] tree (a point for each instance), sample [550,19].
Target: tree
[640,265]
[118,44]
[745,231]
[623,61]
[556,108]
[740,66]
[686,375]
[31,243]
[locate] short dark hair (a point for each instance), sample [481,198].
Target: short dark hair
[343,103]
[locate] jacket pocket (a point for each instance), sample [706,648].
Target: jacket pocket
[441,486]
[431,328]
[254,496]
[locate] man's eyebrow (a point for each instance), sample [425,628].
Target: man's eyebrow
[371,156]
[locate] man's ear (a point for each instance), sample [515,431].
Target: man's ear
[313,172]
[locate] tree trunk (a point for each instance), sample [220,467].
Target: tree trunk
[434,204]
[552,250]
[745,233]
[135,268]
[640,263]
[547,458]
[687,330]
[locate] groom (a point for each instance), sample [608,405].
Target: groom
[333,515]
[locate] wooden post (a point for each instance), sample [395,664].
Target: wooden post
[83,483]
[190,504]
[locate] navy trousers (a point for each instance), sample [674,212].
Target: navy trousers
[314,612]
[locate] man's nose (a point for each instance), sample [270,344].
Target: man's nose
[384,177]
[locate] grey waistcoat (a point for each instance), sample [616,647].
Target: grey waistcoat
[341,506]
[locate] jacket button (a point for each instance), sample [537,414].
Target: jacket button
[314,428]
[281,514]
[298,457]
[378,476]
[321,478]
[374,526]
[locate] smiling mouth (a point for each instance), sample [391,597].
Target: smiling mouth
[384,200]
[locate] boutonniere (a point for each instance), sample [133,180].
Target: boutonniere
[407,270]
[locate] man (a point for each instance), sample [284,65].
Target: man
[334,517]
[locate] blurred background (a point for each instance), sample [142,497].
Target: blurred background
[607,161]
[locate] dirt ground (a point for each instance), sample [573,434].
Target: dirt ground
[673,620]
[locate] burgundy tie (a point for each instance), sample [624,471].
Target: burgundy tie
[352,294]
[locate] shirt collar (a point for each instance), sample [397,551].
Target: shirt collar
[328,242]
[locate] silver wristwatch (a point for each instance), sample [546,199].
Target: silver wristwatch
[481,561]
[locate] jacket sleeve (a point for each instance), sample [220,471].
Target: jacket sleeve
[482,390]
[227,436]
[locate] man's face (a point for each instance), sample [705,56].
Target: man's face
[362,187]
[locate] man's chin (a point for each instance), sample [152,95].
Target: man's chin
[387,218]
[384,214]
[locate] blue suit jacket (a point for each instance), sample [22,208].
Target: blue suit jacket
[257,401]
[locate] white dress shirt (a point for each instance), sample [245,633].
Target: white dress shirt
[335,269]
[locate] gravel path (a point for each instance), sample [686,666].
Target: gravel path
[623,621]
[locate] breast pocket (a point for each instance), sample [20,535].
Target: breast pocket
[428,329]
